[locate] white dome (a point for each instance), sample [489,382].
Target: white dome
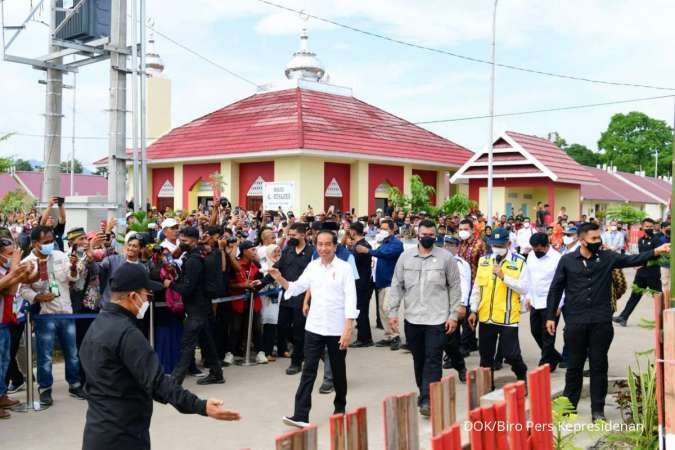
[304,64]
[154,65]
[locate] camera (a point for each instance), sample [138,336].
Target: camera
[60,201]
[224,202]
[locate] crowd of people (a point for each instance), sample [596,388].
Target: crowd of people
[459,284]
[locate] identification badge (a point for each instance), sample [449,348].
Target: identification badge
[54,288]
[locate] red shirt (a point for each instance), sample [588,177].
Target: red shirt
[248,272]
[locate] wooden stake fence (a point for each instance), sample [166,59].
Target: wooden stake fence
[443,404]
[401,430]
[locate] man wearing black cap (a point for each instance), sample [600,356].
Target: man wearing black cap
[190,285]
[123,372]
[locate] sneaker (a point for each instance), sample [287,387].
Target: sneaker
[620,320]
[292,370]
[229,359]
[425,410]
[212,378]
[326,388]
[77,392]
[46,397]
[261,358]
[14,388]
[195,372]
[293,422]
[6,402]
[395,344]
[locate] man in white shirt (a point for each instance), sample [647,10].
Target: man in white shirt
[541,264]
[613,239]
[54,274]
[170,230]
[330,320]
[523,237]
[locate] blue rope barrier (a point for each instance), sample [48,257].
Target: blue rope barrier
[267,293]
[64,316]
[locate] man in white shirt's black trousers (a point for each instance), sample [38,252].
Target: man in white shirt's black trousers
[330,320]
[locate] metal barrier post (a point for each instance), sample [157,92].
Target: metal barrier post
[31,404]
[151,331]
[249,336]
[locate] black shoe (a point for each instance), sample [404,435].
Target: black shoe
[447,364]
[338,411]
[77,392]
[361,344]
[464,351]
[212,378]
[425,410]
[620,320]
[598,415]
[292,370]
[383,343]
[461,374]
[563,365]
[497,366]
[46,398]
[395,343]
[326,388]
[195,372]
[405,348]
[295,422]
[587,373]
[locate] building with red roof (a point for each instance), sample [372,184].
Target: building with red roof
[337,150]
[31,183]
[526,170]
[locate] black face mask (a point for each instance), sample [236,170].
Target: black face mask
[427,241]
[293,242]
[594,247]
[649,233]
[539,254]
[184,247]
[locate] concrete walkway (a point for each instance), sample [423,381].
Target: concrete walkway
[263,394]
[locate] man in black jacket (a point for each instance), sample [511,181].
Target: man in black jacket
[124,375]
[294,258]
[647,276]
[190,285]
[585,276]
[364,287]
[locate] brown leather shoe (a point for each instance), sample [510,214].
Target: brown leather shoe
[6,402]
[4,414]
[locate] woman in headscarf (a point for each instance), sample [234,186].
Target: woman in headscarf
[270,306]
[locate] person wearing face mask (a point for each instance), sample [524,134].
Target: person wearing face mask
[427,284]
[52,292]
[570,240]
[540,267]
[613,239]
[585,277]
[470,250]
[191,286]
[124,374]
[496,304]
[647,276]
[523,237]
[133,242]
[387,253]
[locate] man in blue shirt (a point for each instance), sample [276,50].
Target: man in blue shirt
[387,254]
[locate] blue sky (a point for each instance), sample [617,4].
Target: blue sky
[618,41]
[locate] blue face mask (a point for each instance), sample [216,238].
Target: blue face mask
[47,249]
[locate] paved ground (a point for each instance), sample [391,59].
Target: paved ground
[265,393]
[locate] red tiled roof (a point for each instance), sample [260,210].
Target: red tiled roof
[660,188]
[553,157]
[611,188]
[305,119]
[7,184]
[83,184]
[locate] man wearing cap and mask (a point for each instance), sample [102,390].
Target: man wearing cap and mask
[190,285]
[496,303]
[124,374]
[585,277]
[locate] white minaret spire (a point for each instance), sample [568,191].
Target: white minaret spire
[304,64]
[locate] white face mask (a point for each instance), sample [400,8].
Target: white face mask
[144,308]
[381,236]
[612,228]
[567,240]
[526,224]
[464,234]
[498,251]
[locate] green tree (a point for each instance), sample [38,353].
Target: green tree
[5,161]
[457,204]
[420,195]
[583,155]
[17,200]
[625,213]
[631,141]
[101,170]
[65,166]
[22,164]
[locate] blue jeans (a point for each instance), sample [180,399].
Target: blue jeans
[46,330]
[5,340]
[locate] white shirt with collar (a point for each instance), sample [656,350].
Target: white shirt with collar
[540,273]
[58,265]
[465,279]
[523,239]
[333,295]
[519,285]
